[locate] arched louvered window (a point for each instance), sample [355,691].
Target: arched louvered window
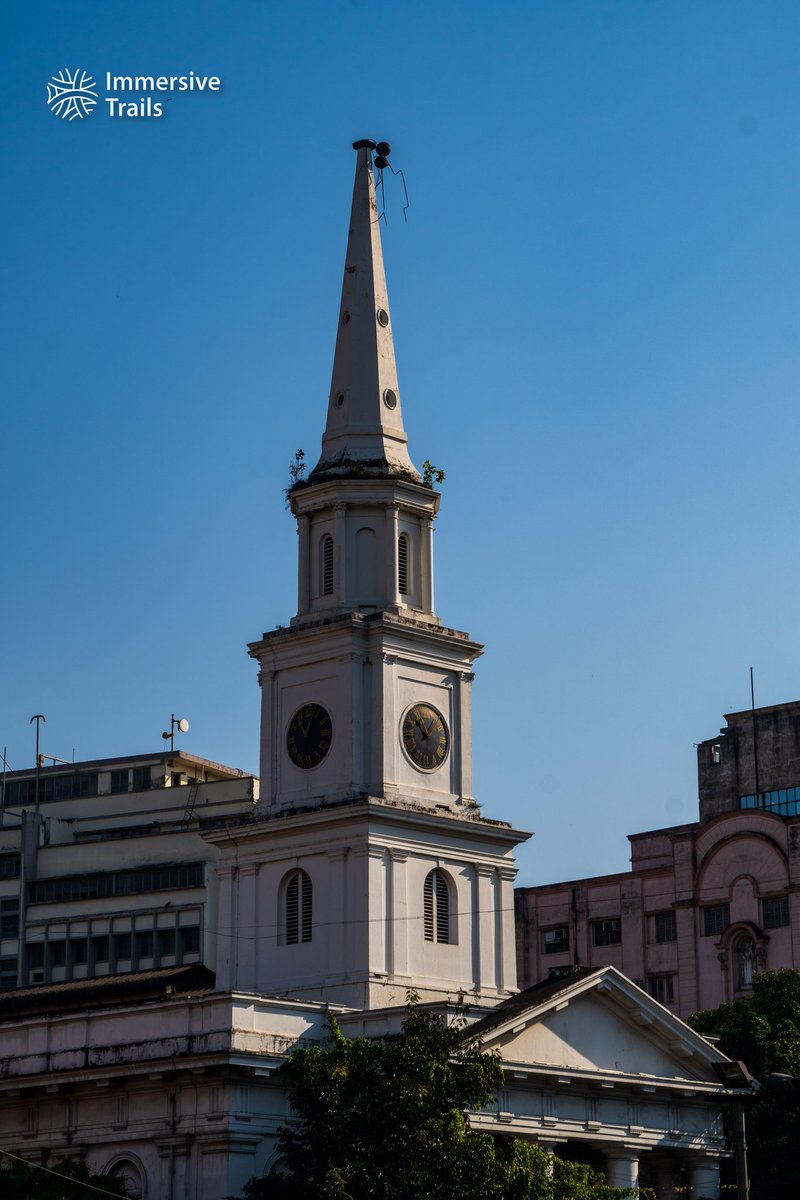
[402,564]
[327,565]
[438,917]
[297,909]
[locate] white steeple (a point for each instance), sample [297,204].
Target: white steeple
[365,421]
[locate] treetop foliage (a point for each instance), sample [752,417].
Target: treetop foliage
[388,1119]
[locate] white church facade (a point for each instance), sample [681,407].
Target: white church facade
[360,869]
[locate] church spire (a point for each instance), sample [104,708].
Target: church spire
[365,422]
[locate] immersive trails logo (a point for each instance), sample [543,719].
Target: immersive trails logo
[72,94]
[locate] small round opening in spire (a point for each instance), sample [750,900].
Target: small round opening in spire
[389,398]
[346,318]
[383,317]
[339,399]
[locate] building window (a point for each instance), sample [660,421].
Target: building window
[165,940]
[716,752]
[665,927]
[9,917]
[140,779]
[776,911]
[36,956]
[783,801]
[119,781]
[556,941]
[716,919]
[58,953]
[144,943]
[79,948]
[8,974]
[402,564]
[189,940]
[297,908]
[607,933]
[661,988]
[9,866]
[115,883]
[327,565]
[122,946]
[437,916]
[100,949]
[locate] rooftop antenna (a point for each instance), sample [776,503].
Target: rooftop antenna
[179,723]
[38,718]
[381,152]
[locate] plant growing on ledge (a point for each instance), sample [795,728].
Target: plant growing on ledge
[431,474]
[297,474]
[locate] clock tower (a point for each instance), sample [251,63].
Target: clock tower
[370,870]
[366,693]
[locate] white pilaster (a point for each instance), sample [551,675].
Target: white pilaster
[303,564]
[340,543]
[622,1168]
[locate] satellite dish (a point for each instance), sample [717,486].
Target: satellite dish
[183,725]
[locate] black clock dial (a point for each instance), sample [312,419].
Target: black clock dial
[309,736]
[425,737]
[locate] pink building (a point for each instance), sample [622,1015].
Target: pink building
[705,905]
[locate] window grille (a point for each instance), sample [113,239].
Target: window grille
[661,988]
[776,912]
[716,919]
[402,564]
[437,908]
[327,565]
[556,941]
[607,933]
[298,909]
[665,927]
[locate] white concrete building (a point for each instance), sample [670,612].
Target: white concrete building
[365,868]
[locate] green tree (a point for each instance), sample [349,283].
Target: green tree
[67,1180]
[389,1120]
[764,1033]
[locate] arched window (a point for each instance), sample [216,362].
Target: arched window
[402,565]
[326,565]
[297,909]
[131,1174]
[438,922]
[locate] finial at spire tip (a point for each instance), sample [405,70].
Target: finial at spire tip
[364,144]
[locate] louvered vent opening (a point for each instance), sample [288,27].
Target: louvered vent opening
[436,908]
[402,564]
[429,908]
[292,910]
[306,909]
[442,909]
[327,566]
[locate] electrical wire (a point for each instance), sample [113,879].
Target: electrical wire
[60,1175]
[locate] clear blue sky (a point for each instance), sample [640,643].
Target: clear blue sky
[595,305]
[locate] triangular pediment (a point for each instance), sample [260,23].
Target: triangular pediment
[598,1022]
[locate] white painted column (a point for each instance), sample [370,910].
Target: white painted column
[340,544]
[703,1179]
[665,1177]
[379,886]
[245,929]
[357,713]
[506,937]
[336,914]
[486,926]
[303,565]
[463,785]
[426,539]
[622,1168]
[398,917]
[392,533]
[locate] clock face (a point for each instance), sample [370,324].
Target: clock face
[425,737]
[309,736]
